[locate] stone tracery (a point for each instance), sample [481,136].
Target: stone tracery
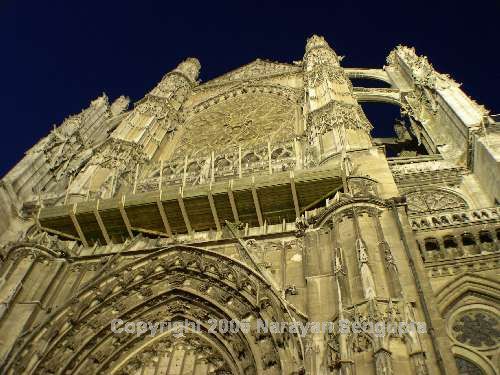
[477,328]
[434,200]
[246,121]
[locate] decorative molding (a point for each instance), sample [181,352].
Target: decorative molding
[255,70]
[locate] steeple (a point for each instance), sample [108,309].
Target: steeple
[335,121]
[319,42]
[155,115]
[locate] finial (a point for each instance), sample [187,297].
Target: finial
[190,67]
[316,41]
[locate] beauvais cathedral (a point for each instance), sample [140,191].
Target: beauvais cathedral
[262,195]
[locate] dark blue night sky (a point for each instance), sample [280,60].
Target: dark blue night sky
[59,55]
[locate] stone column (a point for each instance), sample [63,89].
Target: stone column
[12,328]
[343,299]
[390,263]
[367,278]
[320,288]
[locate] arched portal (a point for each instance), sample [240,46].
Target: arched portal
[180,286]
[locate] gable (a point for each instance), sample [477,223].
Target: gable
[255,70]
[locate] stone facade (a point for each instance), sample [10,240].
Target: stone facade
[258,196]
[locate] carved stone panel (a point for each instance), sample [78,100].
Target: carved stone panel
[248,121]
[434,200]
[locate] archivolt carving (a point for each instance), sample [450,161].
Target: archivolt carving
[471,363]
[434,200]
[34,251]
[292,95]
[173,283]
[190,347]
[36,244]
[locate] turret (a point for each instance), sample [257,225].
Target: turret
[156,114]
[335,121]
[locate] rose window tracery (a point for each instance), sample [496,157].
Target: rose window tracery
[478,328]
[247,121]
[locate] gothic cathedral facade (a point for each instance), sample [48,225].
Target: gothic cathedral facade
[254,198]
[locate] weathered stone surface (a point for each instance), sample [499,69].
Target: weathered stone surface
[256,197]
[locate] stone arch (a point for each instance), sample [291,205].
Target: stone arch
[431,244]
[164,344]
[182,300]
[345,206]
[378,95]
[469,305]
[369,82]
[373,74]
[173,282]
[476,360]
[22,249]
[463,285]
[468,239]
[291,95]
[485,236]
[450,242]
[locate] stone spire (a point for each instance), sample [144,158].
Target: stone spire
[135,141]
[156,114]
[335,121]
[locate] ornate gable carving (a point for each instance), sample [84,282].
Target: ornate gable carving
[255,70]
